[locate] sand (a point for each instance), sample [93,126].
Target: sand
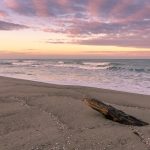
[41,116]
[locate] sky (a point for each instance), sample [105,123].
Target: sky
[74,29]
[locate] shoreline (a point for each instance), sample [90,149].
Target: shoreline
[36,115]
[72,85]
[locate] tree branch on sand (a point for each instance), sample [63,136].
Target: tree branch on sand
[112,113]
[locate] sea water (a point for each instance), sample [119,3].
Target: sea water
[117,74]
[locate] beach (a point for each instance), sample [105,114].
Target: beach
[74,75]
[42,116]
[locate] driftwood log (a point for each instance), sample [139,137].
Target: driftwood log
[113,114]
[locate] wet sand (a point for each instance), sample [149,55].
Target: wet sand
[41,116]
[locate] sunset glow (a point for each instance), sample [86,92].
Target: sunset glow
[74,29]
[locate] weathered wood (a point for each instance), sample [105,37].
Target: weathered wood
[113,114]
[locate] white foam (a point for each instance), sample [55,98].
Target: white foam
[97,63]
[85,65]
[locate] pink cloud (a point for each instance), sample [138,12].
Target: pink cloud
[50,30]
[63,2]
[94,6]
[13,4]
[3,14]
[41,7]
[139,14]
[120,7]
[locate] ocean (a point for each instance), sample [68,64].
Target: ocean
[117,74]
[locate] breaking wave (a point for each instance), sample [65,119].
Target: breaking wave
[78,64]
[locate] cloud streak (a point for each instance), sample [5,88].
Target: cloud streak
[11,26]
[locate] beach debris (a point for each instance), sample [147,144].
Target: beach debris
[112,113]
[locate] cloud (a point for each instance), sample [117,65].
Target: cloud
[97,22]
[11,26]
[119,54]
[94,7]
[20,6]
[13,4]
[115,9]
[3,14]
[119,42]
[41,8]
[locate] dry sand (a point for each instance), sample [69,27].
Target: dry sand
[40,116]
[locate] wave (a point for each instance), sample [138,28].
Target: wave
[89,65]
[79,64]
[61,62]
[83,65]
[23,63]
[97,64]
[131,69]
[6,63]
[115,68]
